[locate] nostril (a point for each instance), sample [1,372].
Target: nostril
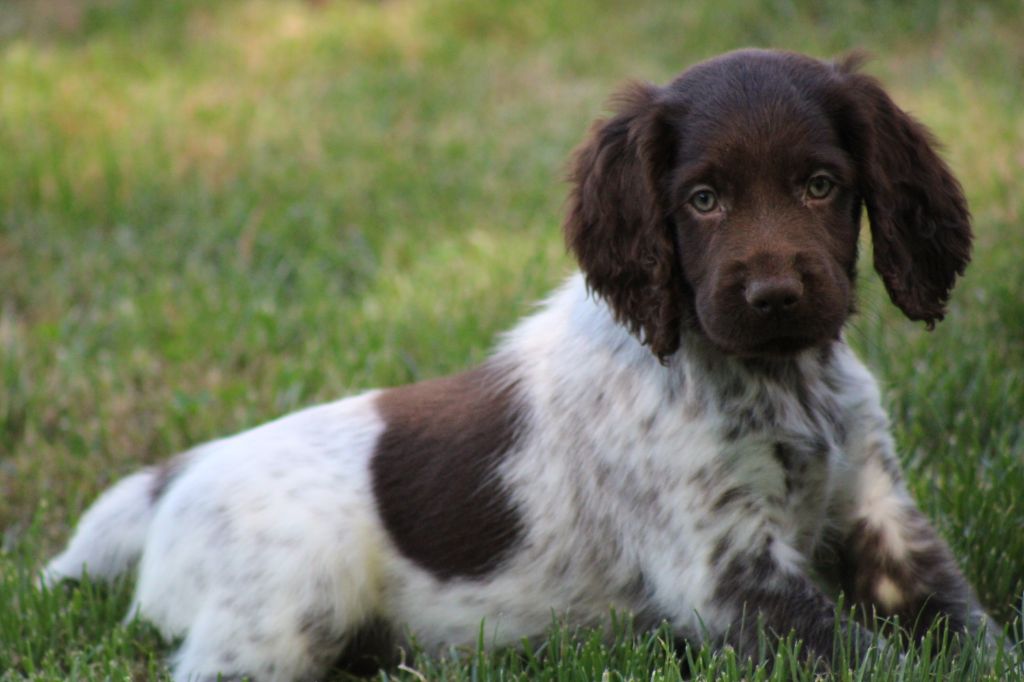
[774,295]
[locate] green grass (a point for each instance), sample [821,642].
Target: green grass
[212,213]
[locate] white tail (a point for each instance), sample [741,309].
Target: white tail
[112,533]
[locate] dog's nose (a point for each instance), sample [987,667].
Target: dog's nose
[770,295]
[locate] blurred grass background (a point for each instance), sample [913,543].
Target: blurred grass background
[214,212]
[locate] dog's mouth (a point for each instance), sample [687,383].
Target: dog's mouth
[782,346]
[775,348]
[734,331]
[782,341]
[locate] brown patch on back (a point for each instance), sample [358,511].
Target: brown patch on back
[434,471]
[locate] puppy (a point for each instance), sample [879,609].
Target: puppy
[679,432]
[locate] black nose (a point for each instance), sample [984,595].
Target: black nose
[770,295]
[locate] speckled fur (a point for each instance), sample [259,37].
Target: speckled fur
[694,485]
[266,551]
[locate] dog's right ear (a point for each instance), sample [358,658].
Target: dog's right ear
[617,218]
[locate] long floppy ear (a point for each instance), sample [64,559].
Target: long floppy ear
[920,225]
[617,220]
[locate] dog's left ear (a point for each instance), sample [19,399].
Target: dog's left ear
[616,219]
[920,225]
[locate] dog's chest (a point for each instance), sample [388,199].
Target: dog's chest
[643,481]
[778,441]
[745,449]
[779,475]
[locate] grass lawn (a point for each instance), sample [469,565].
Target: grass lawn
[215,212]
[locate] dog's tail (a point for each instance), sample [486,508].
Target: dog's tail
[112,533]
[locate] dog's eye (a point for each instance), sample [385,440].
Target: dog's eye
[704,200]
[819,187]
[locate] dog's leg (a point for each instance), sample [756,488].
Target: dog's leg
[753,577]
[227,643]
[891,560]
[282,609]
[766,584]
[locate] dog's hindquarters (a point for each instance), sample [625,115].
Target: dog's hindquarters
[261,550]
[265,553]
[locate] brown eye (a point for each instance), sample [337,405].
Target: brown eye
[704,200]
[819,187]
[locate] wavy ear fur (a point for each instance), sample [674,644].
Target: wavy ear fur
[616,223]
[920,225]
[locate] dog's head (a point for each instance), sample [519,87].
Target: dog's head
[730,201]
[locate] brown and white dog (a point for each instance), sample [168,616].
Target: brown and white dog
[679,432]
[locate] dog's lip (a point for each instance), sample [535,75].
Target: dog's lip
[771,338]
[779,346]
[783,345]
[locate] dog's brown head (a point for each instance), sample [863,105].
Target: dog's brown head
[730,200]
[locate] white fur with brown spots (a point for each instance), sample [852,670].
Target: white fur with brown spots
[742,468]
